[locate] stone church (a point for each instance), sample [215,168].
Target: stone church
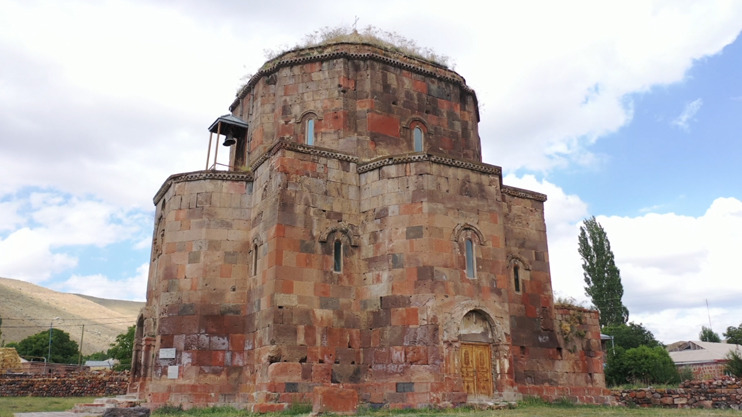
[356,251]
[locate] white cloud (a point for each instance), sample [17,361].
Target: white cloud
[130,288]
[563,214]
[27,256]
[670,264]
[9,217]
[688,113]
[82,93]
[57,224]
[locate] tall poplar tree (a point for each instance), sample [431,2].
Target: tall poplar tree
[602,277]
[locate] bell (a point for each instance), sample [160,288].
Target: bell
[229,140]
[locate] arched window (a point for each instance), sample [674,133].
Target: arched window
[417,134]
[470,264]
[254,260]
[310,132]
[337,256]
[516,278]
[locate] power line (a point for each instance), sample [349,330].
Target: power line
[55,318]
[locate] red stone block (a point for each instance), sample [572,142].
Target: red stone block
[381,356]
[347,83]
[284,372]
[354,338]
[237,341]
[217,358]
[322,289]
[386,125]
[399,317]
[417,355]
[327,354]
[313,354]
[334,400]
[420,86]
[403,287]
[411,317]
[322,373]
[333,121]
[269,408]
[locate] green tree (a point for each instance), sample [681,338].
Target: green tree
[97,356]
[631,335]
[602,277]
[643,364]
[63,350]
[734,363]
[123,349]
[734,335]
[650,366]
[708,335]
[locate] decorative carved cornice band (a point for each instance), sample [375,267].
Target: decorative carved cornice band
[420,157]
[198,176]
[327,153]
[521,193]
[302,148]
[459,81]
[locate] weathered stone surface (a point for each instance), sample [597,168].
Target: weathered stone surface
[63,385]
[334,400]
[721,392]
[127,412]
[336,270]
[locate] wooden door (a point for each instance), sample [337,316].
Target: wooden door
[476,369]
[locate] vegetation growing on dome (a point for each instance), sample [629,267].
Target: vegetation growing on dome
[371,35]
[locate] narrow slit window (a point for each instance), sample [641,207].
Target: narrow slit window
[516,278]
[469,258]
[255,260]
[310,132]
[418,136]
[337,256]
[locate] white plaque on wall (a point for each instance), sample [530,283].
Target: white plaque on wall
[172,372]
[168,353]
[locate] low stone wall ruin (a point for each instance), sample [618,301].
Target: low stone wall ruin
[64,385]
[723,393]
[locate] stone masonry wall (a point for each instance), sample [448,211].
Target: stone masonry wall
[723,393]
[415,282]
[703,371]
[363,106]
[198,288]
[64,385]
[246,307]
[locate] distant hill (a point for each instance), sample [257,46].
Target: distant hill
[27,309]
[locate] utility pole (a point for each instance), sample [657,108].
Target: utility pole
[708,312]
[82,336]
[49,354]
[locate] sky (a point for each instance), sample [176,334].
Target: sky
[630,111]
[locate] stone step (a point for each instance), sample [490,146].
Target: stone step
[100,405]
[96,409]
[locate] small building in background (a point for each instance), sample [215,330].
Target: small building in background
[706,359]
[107,364]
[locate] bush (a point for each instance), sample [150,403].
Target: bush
[645,365]
[370,34]
[734,364]
[63,350]
[686,374]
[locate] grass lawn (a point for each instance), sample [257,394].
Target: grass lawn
[10,405]
[523,410]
